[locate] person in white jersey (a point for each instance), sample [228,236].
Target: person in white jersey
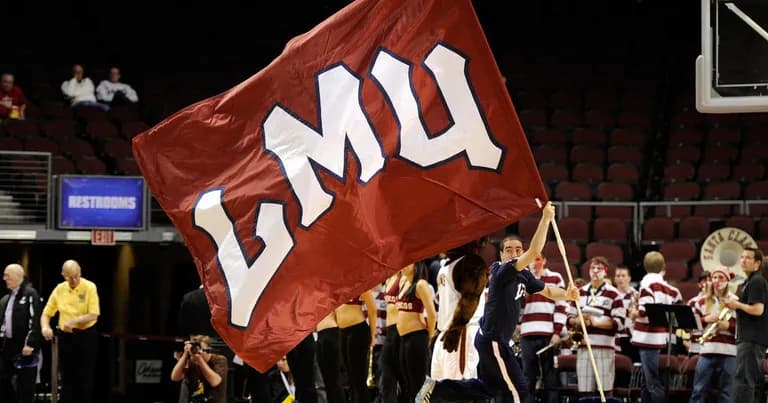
[462,363]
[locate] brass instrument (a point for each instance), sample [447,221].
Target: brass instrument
[370,381]
[725,314]
[723,248]
[576,336]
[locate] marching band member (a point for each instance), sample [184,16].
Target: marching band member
[542,321]
[651,339]
[629,295]
[694,347]
[718,344]
[604,315]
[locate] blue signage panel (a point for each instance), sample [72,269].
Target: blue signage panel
[108,202]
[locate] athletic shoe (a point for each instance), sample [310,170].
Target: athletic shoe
[426,391]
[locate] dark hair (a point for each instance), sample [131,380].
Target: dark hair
[510,237]
[419,273]
[758,254]
[470,248]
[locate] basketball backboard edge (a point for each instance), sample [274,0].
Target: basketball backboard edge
[707,98]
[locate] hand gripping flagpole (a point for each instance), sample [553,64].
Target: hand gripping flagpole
[561,246]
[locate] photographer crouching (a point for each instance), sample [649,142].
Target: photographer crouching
[204,372]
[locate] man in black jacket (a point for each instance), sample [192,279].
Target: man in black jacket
[19,337]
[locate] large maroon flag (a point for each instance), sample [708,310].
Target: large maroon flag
[383,136]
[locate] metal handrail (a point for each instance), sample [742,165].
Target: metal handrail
[634,205]
[748,203]
[670,203]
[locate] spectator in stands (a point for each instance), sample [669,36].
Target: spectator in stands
[115,93]
[204,372]
[77,302]
[19,338]
[13,102]
[79,89]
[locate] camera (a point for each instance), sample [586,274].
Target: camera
[195,347]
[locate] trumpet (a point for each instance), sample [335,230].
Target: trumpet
[725,314]
[577,337]
[370,381]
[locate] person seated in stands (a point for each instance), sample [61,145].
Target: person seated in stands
[113,92]
[79,90]
[13,102]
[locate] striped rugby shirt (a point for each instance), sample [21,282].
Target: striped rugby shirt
[626,300]
[653,290]
[542,316]
[724,341]
[607,300]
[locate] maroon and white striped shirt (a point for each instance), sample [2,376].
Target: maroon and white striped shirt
[695,347]
[653,290]
[724,341]
[606,299]
[541,316]
[626,300]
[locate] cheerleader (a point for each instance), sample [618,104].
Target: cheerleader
[390,351]
[357,338]
[414,299]
[328,346]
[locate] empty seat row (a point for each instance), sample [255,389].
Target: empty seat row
[589,154]
[582,231]
[697,228]
[588,136]
[743,172]
[728,136]
[60,110]
[540,118]
[70,128]
[723,153]
[603,101]
[553,173]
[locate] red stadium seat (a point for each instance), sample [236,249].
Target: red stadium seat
[694,228]
[679,172]
[658,229]
[681,250]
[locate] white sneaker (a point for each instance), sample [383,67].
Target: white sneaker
[426,391]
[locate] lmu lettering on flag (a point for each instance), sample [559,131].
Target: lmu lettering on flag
[382,136]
